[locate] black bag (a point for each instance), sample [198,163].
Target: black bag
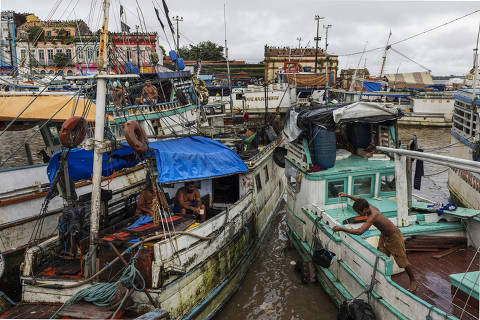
[356,309]
[323,257]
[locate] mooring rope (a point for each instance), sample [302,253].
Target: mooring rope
[102,294]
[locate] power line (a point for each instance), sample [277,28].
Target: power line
[412,36]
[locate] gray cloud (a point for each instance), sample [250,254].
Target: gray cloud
[252,24]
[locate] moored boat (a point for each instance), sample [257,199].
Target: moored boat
[442,245]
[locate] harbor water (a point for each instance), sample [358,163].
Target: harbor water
[273,290]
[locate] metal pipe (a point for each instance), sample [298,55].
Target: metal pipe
[99,135]
[435,158]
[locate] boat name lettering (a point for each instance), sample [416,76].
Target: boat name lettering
[261,98]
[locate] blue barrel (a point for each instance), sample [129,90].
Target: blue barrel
[324,147]
[359,134]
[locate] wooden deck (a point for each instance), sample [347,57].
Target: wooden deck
[433,279]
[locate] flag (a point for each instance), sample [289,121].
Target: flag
[125,27]
[158,17]
[121,11]
[165,8]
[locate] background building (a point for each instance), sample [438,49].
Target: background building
[49,47]
[275,58]
[8,54]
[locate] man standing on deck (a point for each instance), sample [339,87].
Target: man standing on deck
[391,239]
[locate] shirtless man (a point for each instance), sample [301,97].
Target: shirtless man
[149,93]
[391,239]
[187,201]
[145,202]
[118,95]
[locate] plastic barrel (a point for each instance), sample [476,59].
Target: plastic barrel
[359,134]
[324,147]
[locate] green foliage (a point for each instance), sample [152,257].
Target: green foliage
[60,60]
[154,58]
[205,50]
[164,52]
[35,33]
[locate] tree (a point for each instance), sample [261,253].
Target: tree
[60,60]
[35,33]
[205,50]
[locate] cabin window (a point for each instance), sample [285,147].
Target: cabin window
[258,183]
[387,183]
[238,96]
[362,186]
[334,187]
[226,189]
[266,173]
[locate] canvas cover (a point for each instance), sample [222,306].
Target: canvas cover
[194,158]
[410,80]
[182,159]
[44,107]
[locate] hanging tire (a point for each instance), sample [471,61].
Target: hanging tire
[73,132]
[356,309]
[136,137]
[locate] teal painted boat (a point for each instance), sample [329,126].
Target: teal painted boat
[438,245]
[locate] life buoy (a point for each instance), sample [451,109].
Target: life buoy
[136,137]
[73,132]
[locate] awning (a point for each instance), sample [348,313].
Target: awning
[194,158]
[182,159]
[44,107]
[410,80]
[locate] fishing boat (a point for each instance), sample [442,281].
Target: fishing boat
[464,185]
[353,149]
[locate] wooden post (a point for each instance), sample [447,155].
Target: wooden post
[402,192]
[28,151]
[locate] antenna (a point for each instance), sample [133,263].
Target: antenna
[327,76]
[226,56]
[299,39]
[475,69]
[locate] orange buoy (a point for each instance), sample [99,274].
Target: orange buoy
[136,137]
[73,132]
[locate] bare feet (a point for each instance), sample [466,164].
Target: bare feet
[413,286]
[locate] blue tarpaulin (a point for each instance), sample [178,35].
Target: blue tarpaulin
[181,159]
[194,158]
[80,163]
[372,86]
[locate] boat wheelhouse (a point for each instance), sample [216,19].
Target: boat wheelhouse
[464,185]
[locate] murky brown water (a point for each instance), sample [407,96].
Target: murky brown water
[273,290]
[10,141]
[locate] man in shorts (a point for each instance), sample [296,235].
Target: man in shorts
[391,239]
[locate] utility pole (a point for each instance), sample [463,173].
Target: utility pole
[317,38]
[299,41]
[178,19]
[138,50]
[327,77]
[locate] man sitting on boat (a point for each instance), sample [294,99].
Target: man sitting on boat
[145,202]
[187,201]
[391,239]
[149,94]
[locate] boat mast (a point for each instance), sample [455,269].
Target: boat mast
[99,135]
[385,54]
[226,56]
[475,69]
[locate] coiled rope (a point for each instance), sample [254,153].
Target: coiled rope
[103,294]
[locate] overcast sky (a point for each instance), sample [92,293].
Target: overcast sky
[253,23]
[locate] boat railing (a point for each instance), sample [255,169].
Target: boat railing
[258,156]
